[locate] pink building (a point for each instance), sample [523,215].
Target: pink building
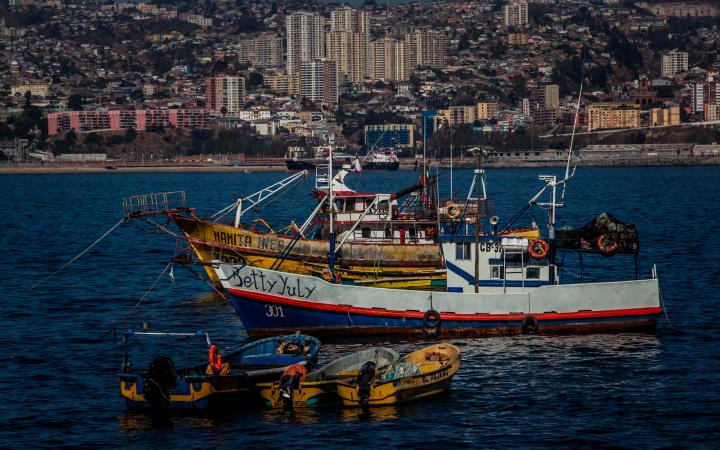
[139,119]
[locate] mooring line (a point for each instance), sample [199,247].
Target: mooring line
[78,256]
[125,317]
[209,283]
[667,317]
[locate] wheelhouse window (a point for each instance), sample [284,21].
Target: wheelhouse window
[497,272]
[462,250]
[532,273]
[366,232]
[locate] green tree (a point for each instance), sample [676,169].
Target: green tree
[75,102]
[130,135]
[137,95]
[93,138]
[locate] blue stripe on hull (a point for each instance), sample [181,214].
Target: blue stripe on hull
[260,315]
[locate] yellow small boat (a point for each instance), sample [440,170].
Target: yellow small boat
[299,389]
[422,373]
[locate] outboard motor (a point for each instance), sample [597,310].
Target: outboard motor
[364,381]
[160,381]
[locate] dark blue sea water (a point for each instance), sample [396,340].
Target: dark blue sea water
[58,386]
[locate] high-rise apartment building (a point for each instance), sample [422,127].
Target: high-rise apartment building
[225,91]
[265,50]
[348,43]
[518,39]
[390,135]
[279,81]
[458,115]
[613,115]
[703,93]
[426,48]
[712,111]
[319,81]
[388,60]
[550,96]
[305,33]
[349,19]
[673,62]
[349,50]
[487,110]
[515,14]
[665,116]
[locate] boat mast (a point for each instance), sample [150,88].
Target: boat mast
[569,175]
[331,212]
[451,162]
[424,164]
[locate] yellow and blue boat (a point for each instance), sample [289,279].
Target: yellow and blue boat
[299,389]
[228,382]
[420,374]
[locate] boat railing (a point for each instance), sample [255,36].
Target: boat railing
[154,204]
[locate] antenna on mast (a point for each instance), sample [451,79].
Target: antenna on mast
[569,175]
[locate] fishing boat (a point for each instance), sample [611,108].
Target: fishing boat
[420,374]
[496,284]
[298,159]
[380,159]
[385,239]
[298,389]
[375,159]
[221,382]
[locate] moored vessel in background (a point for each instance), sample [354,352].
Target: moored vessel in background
[376,159]
[380,159]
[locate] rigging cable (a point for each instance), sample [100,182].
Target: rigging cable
[78,256]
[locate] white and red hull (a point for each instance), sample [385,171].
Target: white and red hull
[270,302]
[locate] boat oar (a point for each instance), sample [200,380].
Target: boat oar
[78,256]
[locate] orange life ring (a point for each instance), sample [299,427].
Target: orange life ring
[538,249]
[604,247]
[452,210]
[215,358]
